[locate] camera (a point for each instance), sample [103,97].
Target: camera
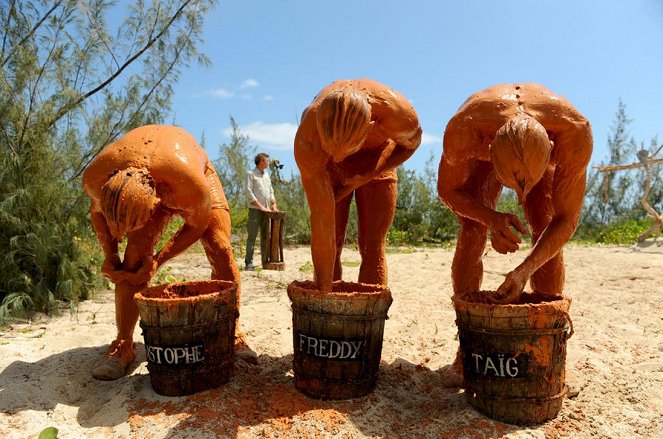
[277,164]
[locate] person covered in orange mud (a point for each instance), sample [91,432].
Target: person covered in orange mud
[136,185]
[526,138]
[350,140]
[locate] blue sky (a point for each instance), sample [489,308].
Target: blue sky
[271,57]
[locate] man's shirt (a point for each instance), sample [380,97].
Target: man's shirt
[259,187]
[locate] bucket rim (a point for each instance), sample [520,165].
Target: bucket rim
[225,287]
[558,301]
[341,290]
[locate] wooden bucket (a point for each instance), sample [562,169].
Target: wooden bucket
[274,226]
[337,338]
[514,356]
[189,332]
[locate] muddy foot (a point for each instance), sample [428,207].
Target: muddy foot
[572,390]
[121,353]
[246,354]
[109,369]
[243,351]
[451,376]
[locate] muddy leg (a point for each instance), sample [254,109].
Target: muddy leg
[140,247]
[342,212]
[219,252]
[467,266]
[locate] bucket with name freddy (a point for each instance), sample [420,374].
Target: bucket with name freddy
[337,337]
[514,356]
[189,333]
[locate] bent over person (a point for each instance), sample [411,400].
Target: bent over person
[526,138]
[136,185]
[350,140]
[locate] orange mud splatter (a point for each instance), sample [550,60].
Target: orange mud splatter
[540,352]
[234,408]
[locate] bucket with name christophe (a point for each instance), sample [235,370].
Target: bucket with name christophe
[337,337]
[189,333]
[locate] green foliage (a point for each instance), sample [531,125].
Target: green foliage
[400,250]
[612,210]
[397,237]
[414,200]
[508,203]
[420,215]
[291,198]
[171,228]
[48,433]
[624,232]
[232,165]
[307,267]
[164,276]
[613,196]
[69,85]
[352,230]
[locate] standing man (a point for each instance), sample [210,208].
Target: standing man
[261,197]
[524,137]
[350,141]
[136,185]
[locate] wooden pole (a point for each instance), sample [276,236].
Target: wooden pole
[274,225]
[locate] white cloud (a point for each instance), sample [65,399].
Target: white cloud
[221,93]
[249,83]
[279,136]
[268,98]
[429,139]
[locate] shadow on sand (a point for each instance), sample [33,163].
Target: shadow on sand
[409,401]
[65,378]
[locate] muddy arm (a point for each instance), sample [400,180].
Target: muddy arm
[108,243]
[394,154]
[320,196]
[568,191]
[457,166]
[193,228]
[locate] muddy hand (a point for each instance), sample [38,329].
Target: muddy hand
[503,239]
[511,288]
[111,269]
[144,274]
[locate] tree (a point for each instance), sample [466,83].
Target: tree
[614,201]
[231,165]
[420,215]
[610,197]
[442,222]
[69,85]
[412,208]
[291,198]
[648,162]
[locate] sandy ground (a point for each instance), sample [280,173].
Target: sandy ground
[615,358]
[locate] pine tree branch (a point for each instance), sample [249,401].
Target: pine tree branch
[89,157]
[117,73]
[32,31]
[33,92]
